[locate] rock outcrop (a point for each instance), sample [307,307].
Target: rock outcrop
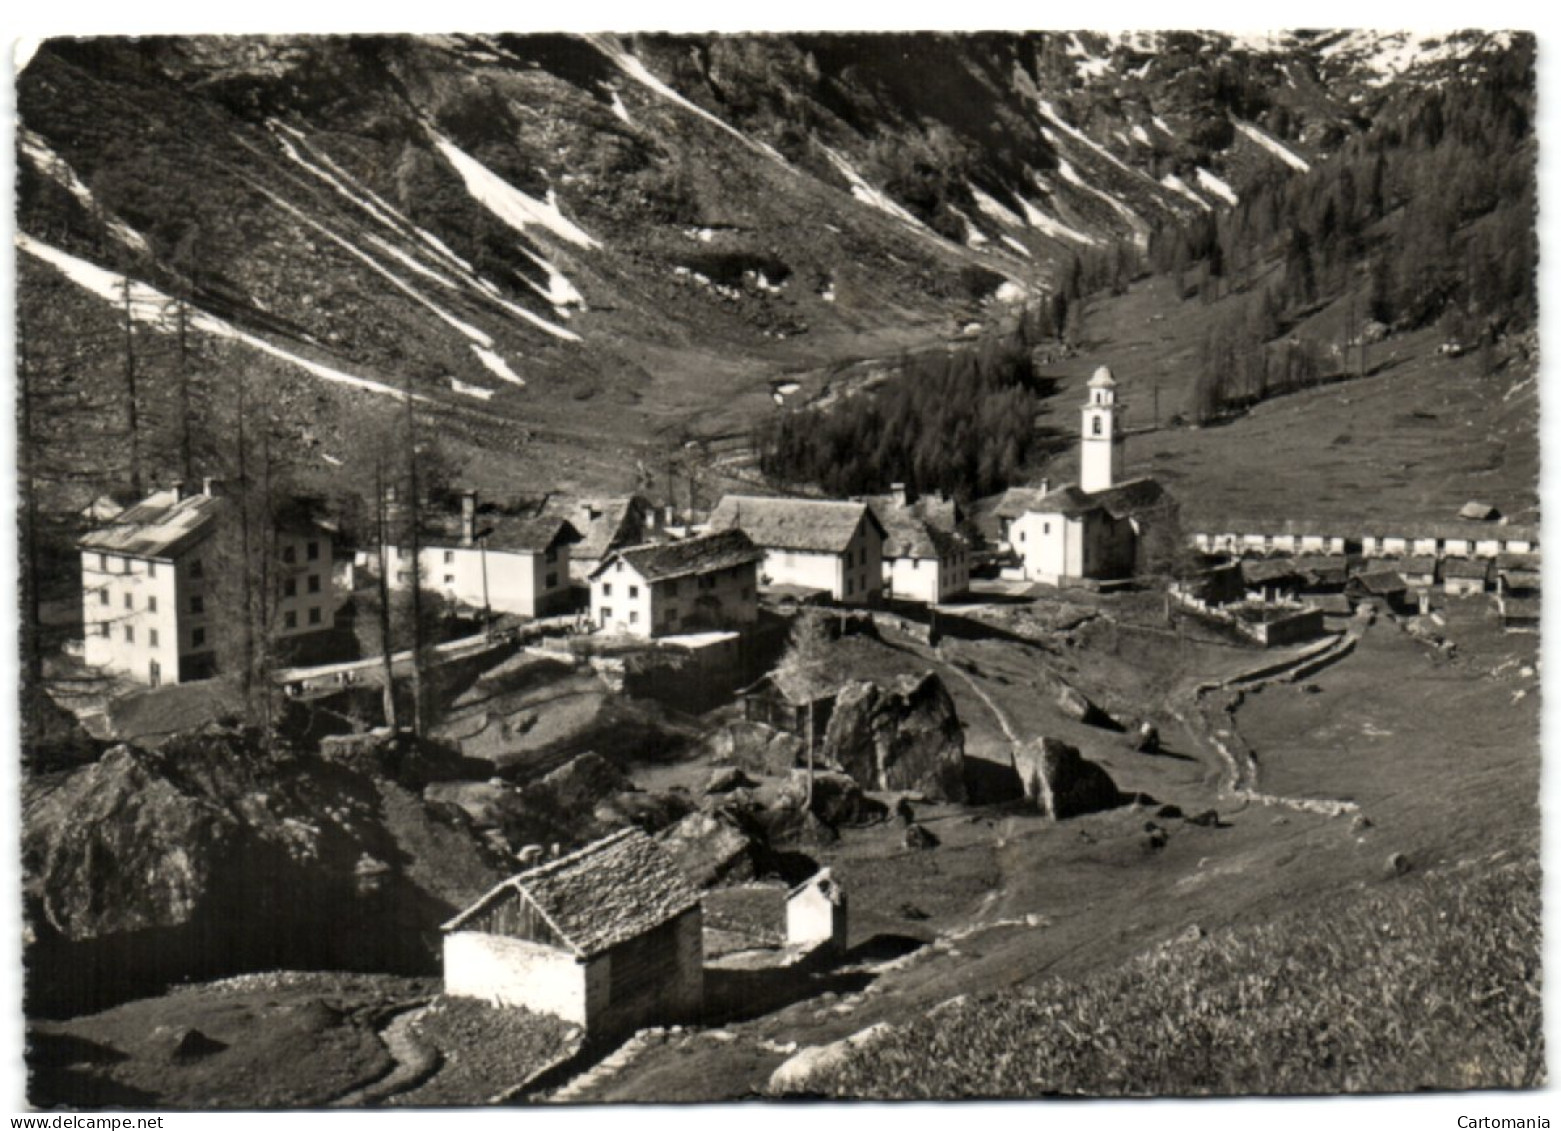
[755,748]
[907,737]
[215,855]
[712,849]
[1061,782]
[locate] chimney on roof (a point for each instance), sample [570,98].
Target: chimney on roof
[468,517]
[211,486]
[178,489]
[898,491]
[1046,485]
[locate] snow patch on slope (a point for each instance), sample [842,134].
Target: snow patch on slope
[1071,175]
[1017,246]
[1219,188]
[1176,184]
[1273,145]
[459,386]
[1089,65]
[1053,227]
[621,110]
[498,366]
[149,306]
[521,212]
[994,208]
[866,193]
[1141,134]
[630,64]
[57,169]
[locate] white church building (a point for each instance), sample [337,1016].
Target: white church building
[1089,530]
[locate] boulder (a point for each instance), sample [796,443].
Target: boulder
[1147,739]
[906,737]
[712,849]
[52,737]
[756,748]
[1209,819]
[650,812]
[1061,782]
[581,782]
[1077,706]
[837,798]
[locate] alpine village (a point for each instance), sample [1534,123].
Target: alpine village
[652,568]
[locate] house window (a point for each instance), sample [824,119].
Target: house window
[313,551]
[290,619]
[848,587]
[197,637]
[155,673]
[606,614]
[552,581]
[449,582]
[551,556]
[706,582]
[130,634]
[152,638]
[103,563]
[289,553]
[151,604]
[449,557]
[619,567]
[197,605]
[151,569]
[130,601]
[1096,426]
[314,582]
[103,596]
[314,615]
[197,570]
[606,589]
[916,563]
[1046,528]
[1021,534]
[125,566]
[290,587]
[634,592]
[103,629]
[634,616]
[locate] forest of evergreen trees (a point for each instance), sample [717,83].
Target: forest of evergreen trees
[1425,219]
[961,421]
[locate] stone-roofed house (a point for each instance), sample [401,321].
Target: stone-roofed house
[606,525]
[1518,575]
[485,555]
[609,937]
[1271,579]
[153,575]
[925,558]
[1465,577]
[832,546]
[704,584]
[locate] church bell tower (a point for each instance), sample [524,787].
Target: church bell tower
[1100,448]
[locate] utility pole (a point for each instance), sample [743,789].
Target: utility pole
[386,645]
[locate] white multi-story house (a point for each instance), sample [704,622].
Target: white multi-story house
[487,557]
[704,584]
[823,545]
[156,582]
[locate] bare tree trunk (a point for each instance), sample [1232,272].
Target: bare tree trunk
[415,541]
[387,647]
[32,616]
[132,408]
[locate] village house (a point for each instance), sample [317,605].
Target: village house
[610,937]
[1090,530]
[1385,585]
[1270,579]
[606,525]
[925,558]
[703,584]
[831,546]
[156,582]
[1465,577]
[1518,614]
[1518,575]
[1285,536]
[492,558]
[1419,571]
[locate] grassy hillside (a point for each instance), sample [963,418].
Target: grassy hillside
[1430,983]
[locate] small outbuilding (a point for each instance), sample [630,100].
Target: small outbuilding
[816,912]
[609,937]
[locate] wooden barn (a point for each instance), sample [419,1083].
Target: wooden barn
[785,701]
[609,937]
